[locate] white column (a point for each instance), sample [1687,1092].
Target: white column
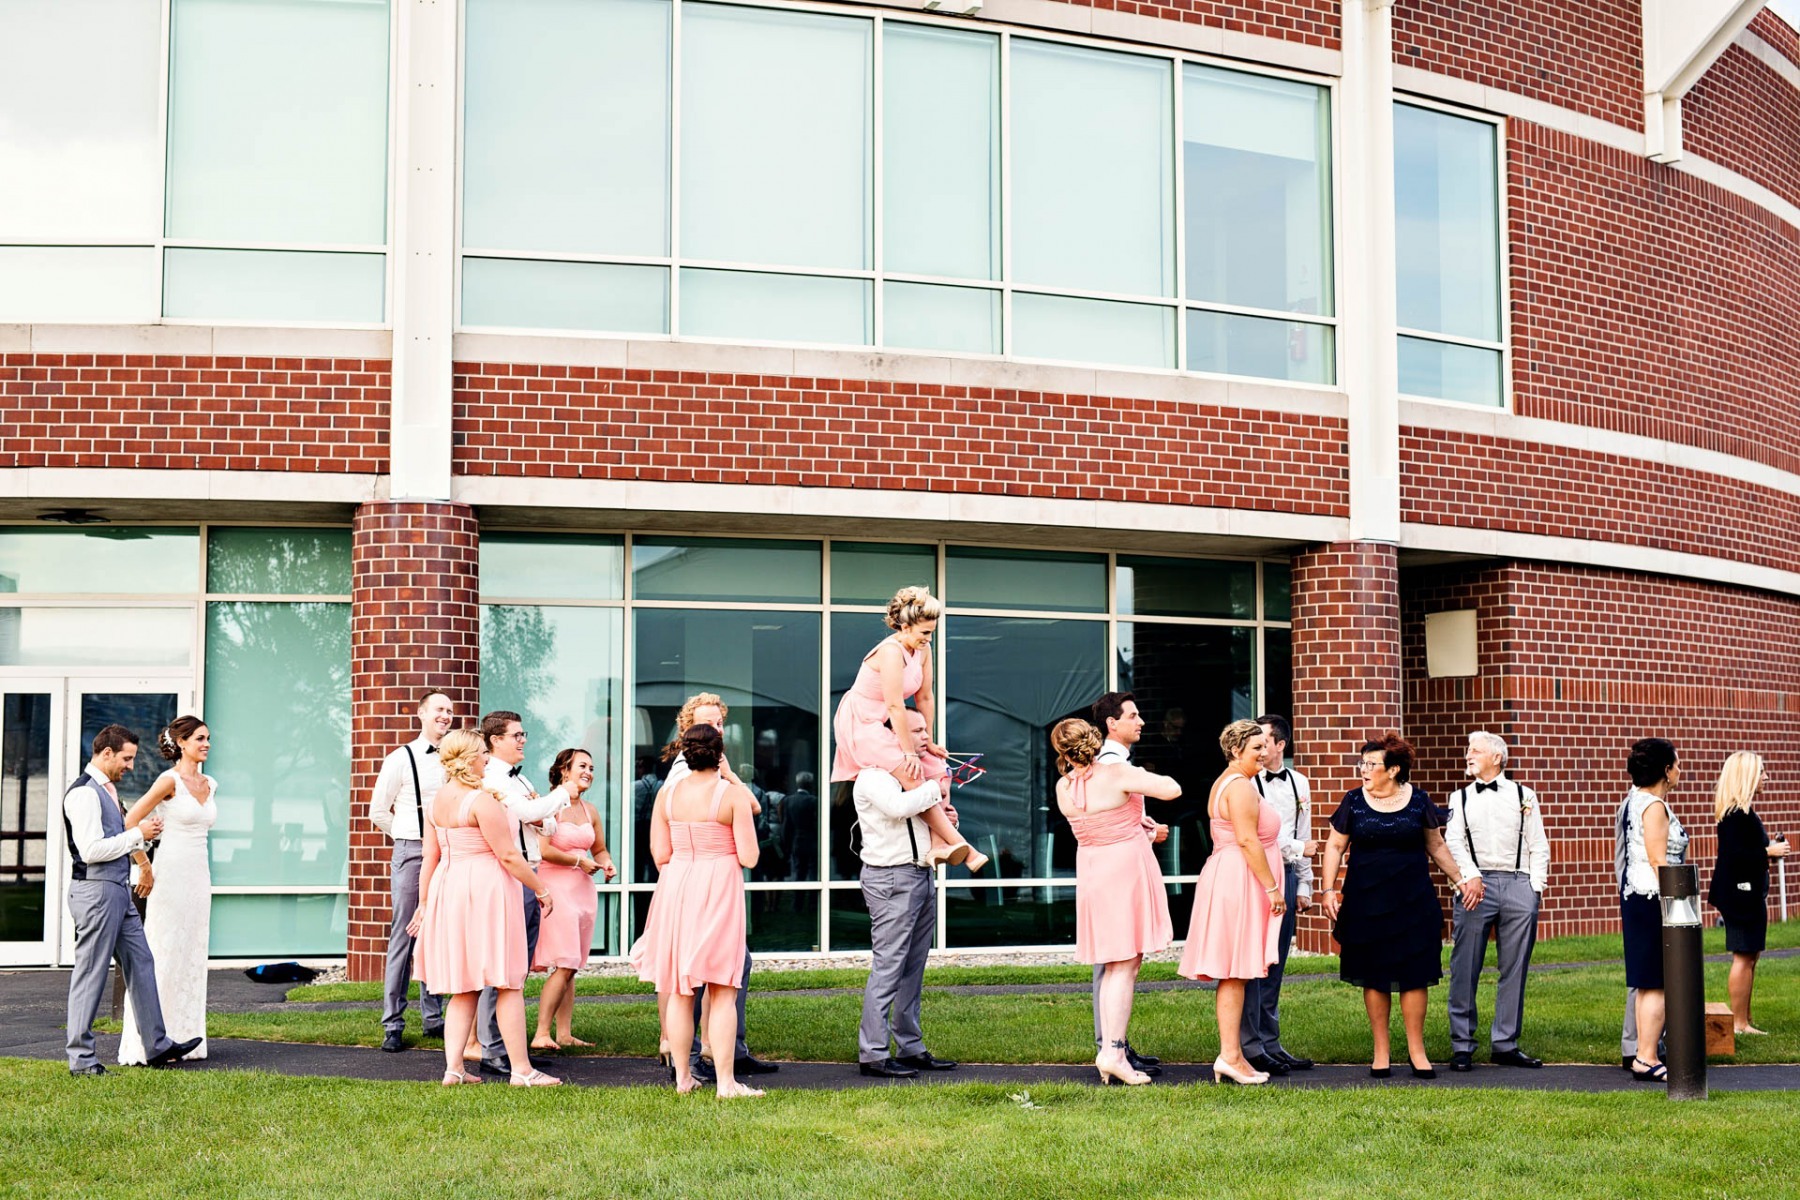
[424,247]
[1371,373]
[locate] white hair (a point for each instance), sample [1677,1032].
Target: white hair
[1492,742]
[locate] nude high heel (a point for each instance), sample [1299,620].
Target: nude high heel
[1222,1072]
[948,853]
[1123,1072]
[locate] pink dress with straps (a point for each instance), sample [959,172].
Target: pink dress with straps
[1232,934]
[860,724]
[567,933]
[1121,906]
[694,934]
[473,932]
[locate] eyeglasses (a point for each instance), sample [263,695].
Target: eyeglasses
[517,737]
[1365,765]
[963,770]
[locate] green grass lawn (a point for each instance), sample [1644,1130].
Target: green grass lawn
[151,1134]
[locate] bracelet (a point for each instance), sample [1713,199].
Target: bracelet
[543,895]
[1270,891]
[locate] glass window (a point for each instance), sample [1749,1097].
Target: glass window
[1278,586]
[853,636]
[1093,193]
[275,562]
[581,93]
[281,754]
[278,124]
[977,917]
[117,558]
[776,155]
[65,637]
[941,148]
[760,307]
[606,922]
[1449,371]
[849,917]
[765,666]
[1095,331]
[871,572]
[274,285]
[77,284]
[1008,681]
[589,297]
[979,577]
[553,566]
[1258,191]
[781,921]
[1230,344]
[1447,223]
[259,926]
[917,316]
[1185,587]
[1278,674]
[748,569]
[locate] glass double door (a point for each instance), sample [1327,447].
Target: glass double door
[47,725]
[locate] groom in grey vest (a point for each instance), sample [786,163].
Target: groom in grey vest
[107,924]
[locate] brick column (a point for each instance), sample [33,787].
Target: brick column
[1347,674]
[414,624]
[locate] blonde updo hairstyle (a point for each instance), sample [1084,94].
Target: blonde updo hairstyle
[911,605]
[1235,736]
[459,751]
[1076,743]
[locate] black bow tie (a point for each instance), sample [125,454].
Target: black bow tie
[1272,776]
[514,773]
[1492,785]
[431,749]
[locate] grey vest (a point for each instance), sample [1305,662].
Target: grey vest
[112,824]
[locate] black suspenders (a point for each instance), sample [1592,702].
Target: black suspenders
[1469,836]
[418,794]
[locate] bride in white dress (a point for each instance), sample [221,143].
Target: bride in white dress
[178,918]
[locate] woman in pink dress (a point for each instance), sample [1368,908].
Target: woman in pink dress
[1239,900]
[470,926]
[872,728]
[702,835]
[572,856]
[1121,907]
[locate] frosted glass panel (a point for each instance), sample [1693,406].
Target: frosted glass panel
[79,145]
[110,559]
[921,317]
[743,569]
[77,284]
[602,297]
[1447,223]
[1095,331]
[272,562]
[1236,345]
[281,753]
[776,158]
[1445,371]
[1093,191]
[776,308]
[580,91]
[278,120]
[270,926]
[552,566]
[96,637]
[941,122]
[274,285]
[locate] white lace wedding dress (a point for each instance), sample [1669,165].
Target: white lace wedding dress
[178,919]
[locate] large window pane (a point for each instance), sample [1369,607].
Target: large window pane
[114,559]
[1278,591]
[267,926]
[1449,371]
[983,917]
[750,569]
[781,922]
[1008,681]
[941,180]
[759,307]
[1447,223]
[1185,587]
[273,285]
[80,151]
[776,159]
[278,120]
[281,754]
[65,637]
[1094,331]
[853,636]
[1258,192]
[77,284]
[589,297]
[272,562]
[849,914]
[765,665]
[979,577]
[871,572]
[1278,673]
[1093,193]
[917,316]
[581,92]
[553,566]
[1229,344]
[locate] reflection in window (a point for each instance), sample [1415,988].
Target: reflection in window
[980,577]
[941,142]
[119,558]
[259,926]
[64,637]
[978,917]
[853,637]
[552,566]
[745,569]
[1449,371]
[1151,585]
[275,562]
[1231,344]
[871,572]
[1074,329]
[1278,674]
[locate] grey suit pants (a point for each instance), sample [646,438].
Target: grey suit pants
[902,919]
[403,888]
[742,1049]
[107,926]
[1259,1030]
[1509,906]
[485,1019]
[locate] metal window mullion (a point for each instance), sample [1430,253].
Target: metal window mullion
[197,688]
[627,857]
[629,260]
[165,82]
[456,216]
[1006,230]
[1270,314]
[1452,339]
[1178,164]
[877,179]
[674,209]
[822,787]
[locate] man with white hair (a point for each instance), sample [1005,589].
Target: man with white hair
[1496,835]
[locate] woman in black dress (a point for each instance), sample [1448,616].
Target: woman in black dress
[1389,926]
[1740,879]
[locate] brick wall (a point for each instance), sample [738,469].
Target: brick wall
[1778,33]
[597,423]
[1744,116]
[1314,22]
[194,413]
[414,624]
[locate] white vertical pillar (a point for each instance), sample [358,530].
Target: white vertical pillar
[1371,372]
[424,247]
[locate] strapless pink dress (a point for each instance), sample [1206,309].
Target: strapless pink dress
[860,724]
[694,934]
[565,936]
[1232,934]
[473,932]
[1121,906]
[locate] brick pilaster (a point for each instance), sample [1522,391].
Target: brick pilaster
[414,624]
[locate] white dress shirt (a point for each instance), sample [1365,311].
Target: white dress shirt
[391,805]
[1499,829]
[892,833]
[82,807]
[523,804]
[1113,752]
[1290,795]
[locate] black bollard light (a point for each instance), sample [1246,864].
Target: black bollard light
[1684,993]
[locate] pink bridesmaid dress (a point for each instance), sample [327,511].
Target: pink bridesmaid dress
[567,934]
[1232,934]
[473,932]
[860,724]
[1121,906]
[694,934]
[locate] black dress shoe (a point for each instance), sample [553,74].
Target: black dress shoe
[888,1068]
[1140,1062]
[1625,1061]
[749,1064]
[500,1065]
[96,1069]
[1293,1062]
[923,1061]
[1266,1064]
[702,1069]
[175,1051]
[434,1031]
[393,1041]
[1515,1058]
[1462,1060]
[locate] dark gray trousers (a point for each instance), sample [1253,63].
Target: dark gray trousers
[742,1048]
[902,920]
[107,926]
[1260,1028]
[1510,906]
[403,891]
[485,1020]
